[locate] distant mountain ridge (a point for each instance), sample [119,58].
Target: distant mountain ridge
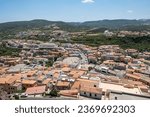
[116,23]
[77,26]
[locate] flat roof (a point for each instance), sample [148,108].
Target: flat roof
[71,60]
[115,87]
[127,97]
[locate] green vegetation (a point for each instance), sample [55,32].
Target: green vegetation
[49,63]
[5,51]
[16,97]
[134,25]
[140,43]
[20,91]
[43,38]
[9,29]
[54,93]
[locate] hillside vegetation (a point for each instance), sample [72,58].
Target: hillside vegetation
[140,43]
[10,29]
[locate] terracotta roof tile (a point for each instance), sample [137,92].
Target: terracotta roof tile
[91,90]
[36,90]
[60,83]
[28,82]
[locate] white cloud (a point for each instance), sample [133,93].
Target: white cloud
[87,1]
[130,11]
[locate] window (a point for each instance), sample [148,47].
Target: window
[90,94]
[95,95]
[94,85]
[84,93]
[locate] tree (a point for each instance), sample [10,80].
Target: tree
[49,63]
[90,68]
[16,97]
[54,93]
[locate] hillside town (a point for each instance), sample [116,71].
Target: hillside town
[49,70]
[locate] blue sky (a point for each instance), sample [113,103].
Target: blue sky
[73,10]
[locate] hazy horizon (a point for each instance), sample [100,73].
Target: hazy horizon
[73,10]
[69,21]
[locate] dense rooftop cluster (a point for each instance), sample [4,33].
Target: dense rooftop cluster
[73,71]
